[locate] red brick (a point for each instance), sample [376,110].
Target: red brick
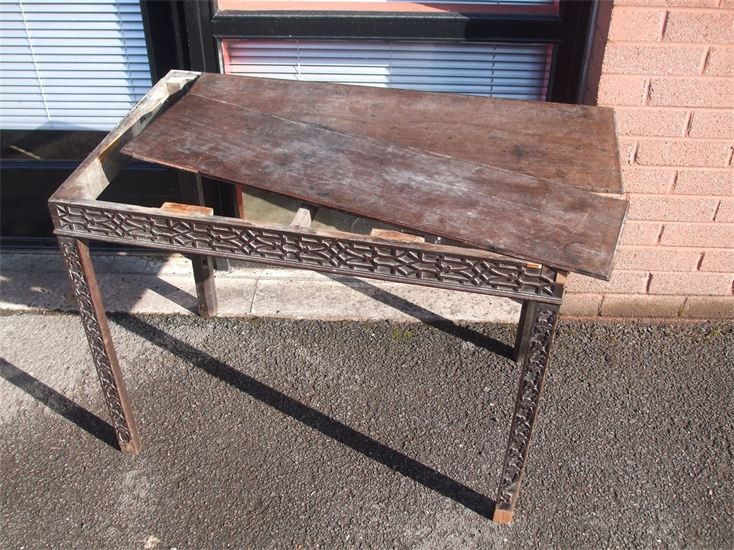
[650,122]
[581,304]
[698,26]
[668,152]
[636,179]
[713,124]
[718,261]
[636,305]
[713,235]
[720,62]
[691,92]
[725,212]
[671,208]
[640,233]
[636,25]
[694,284]
[709,307]
[727,4]
[623,58]
[704,182]
[620,282]
[620,90]
[656,257]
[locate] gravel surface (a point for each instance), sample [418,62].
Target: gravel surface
[301,434]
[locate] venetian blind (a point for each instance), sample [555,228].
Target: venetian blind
[514,71]
[70,65]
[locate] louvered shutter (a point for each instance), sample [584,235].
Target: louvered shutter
[514,71]
[70,65]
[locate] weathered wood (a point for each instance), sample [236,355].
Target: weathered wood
[192,190]
[239,202]
[568,144]
[441,266]
[397,236]
[524,330]
[432,189]
[101,166]
[176,208]
[472,203]
[91,310]
[542,319]
[304,216]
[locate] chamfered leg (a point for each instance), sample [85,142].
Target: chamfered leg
[543,319]
[192,192]
[84,284]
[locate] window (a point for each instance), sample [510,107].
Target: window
[68,72]
[511,71]
[74,66]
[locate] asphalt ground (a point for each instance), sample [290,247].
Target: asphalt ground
[264,433]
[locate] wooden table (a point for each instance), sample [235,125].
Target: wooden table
[514,184]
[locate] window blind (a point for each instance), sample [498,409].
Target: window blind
[70,65]
[513,71]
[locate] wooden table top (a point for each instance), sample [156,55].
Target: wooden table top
[411,159]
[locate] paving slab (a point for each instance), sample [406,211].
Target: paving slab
[145,283]
[267,433]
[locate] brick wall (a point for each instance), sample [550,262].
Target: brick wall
[667,69]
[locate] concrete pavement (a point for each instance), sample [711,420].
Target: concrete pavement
[265,433]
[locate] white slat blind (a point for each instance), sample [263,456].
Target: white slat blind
[70,65]
[513,71]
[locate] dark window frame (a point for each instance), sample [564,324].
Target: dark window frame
[201,26]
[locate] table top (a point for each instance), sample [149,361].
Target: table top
[373,152]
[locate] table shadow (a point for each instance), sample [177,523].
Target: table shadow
[426,316]
[59,403]
[338,431]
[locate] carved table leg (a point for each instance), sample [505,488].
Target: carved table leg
[84,284]
[192,192]
[542,319]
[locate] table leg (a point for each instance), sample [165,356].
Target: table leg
[542,319]
[239,201]
[192,192]
[84,284]
[524,330]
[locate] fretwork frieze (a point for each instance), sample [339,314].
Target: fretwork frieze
[367,259]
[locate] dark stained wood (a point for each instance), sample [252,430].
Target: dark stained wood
[570,144]
[192,190]
[91,309]
[476,204]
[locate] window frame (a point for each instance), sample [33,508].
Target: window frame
[202,26]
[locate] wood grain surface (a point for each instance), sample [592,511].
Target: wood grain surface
[571,144]
[220,136]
